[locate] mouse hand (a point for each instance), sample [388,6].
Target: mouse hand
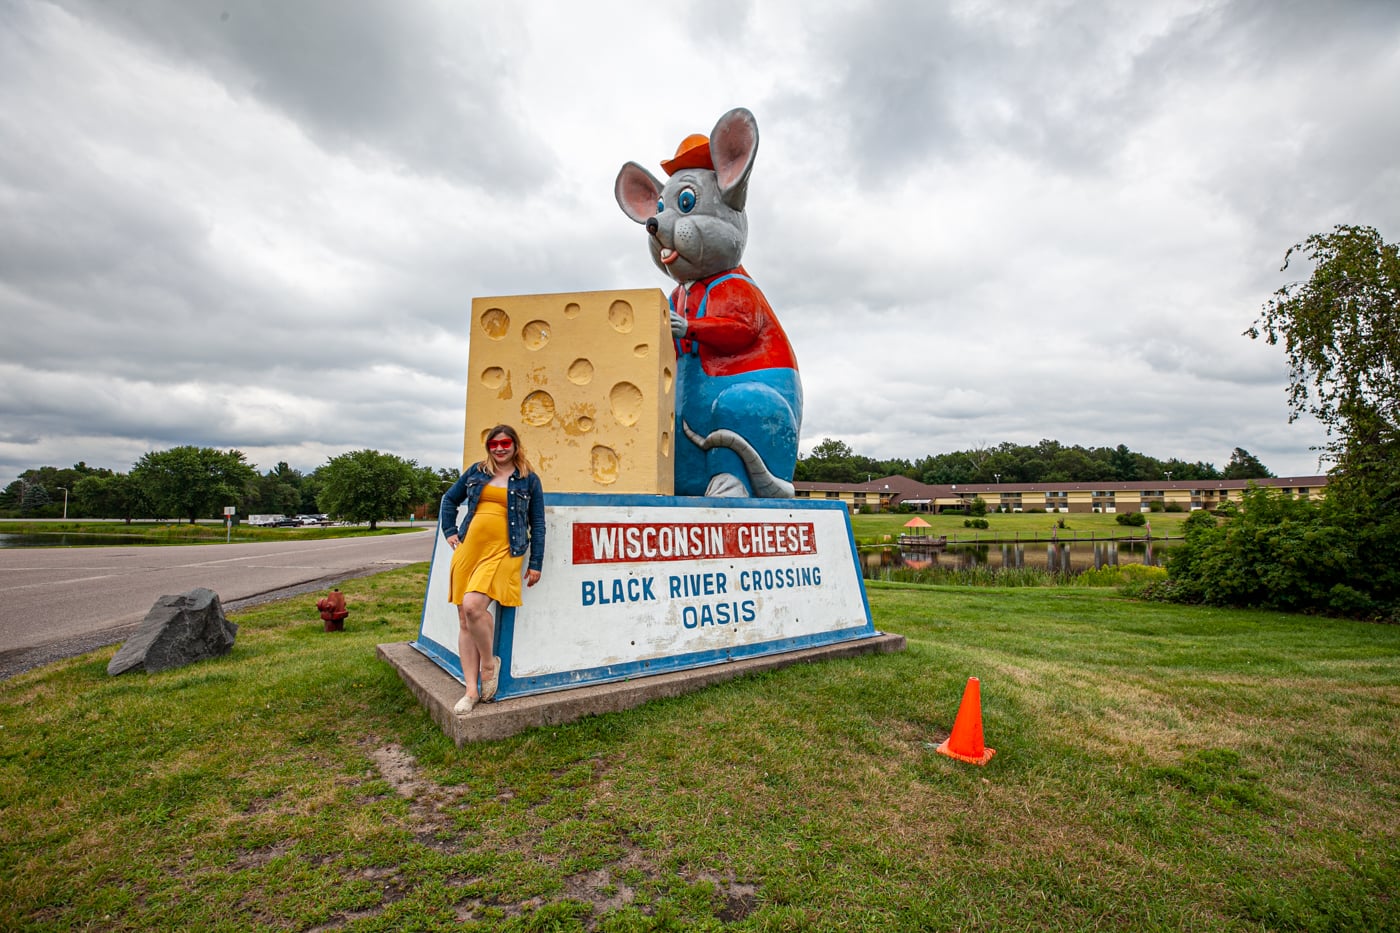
[679,325]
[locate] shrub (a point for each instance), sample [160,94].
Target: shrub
[1173,507]
[1273,552]
[1131,518]
[979,506]
[1129,578]
[975,523]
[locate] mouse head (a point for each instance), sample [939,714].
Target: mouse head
[696,220]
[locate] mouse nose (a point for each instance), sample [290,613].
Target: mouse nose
[652,225]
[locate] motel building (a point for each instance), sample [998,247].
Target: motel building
[883,494]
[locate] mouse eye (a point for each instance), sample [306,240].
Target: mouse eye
[660,205]
[686,201]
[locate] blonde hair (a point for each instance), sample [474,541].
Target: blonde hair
[522,464]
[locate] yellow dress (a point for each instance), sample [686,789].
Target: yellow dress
[482,562]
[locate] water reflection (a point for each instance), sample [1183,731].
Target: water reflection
[74,539]
[1055,557]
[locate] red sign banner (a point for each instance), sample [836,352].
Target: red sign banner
[618,542]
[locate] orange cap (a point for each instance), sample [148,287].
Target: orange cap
[693,152]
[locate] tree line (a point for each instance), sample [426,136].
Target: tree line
[833,461]
[191,483]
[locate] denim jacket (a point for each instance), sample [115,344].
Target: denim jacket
[525,507]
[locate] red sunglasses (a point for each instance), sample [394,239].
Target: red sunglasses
[504,443]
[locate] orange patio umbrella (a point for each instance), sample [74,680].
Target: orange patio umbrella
[917,522]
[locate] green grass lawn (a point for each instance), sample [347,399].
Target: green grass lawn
[168,533]
[1157,767]
[869,529]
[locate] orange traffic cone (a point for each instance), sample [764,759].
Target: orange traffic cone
[965,744]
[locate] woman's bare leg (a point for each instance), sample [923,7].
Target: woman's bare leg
[466,650]
[475,634]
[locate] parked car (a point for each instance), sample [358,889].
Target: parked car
[288,523]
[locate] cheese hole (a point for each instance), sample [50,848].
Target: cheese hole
[626,402]
[537,409]
[581,372]
[604,465]
[495,322]
[535,335]
[621,318]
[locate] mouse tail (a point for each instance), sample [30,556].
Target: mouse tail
[765,484]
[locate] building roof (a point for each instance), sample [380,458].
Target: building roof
[900,488]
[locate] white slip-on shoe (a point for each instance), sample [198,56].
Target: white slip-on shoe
[488,688]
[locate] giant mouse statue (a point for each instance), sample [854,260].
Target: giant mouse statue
[738,395]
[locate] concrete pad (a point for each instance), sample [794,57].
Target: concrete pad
[439,691]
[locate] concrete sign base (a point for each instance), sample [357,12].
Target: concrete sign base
[439,691]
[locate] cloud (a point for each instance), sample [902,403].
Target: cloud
[261,225]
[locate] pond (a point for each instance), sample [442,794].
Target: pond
[78,539]
[1056,557]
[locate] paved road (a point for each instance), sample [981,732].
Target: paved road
[57,602]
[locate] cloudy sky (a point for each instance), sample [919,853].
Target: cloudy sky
[261,224]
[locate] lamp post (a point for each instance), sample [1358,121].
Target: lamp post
[1169,475]
[998,476]
[65,502]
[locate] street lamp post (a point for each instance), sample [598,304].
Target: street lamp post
[65,502]
[998,476]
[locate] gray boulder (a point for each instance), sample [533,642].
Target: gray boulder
[178,630]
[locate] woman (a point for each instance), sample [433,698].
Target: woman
[504,497]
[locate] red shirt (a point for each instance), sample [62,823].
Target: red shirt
[738,332]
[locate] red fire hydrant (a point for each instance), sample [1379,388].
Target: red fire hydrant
[333,611]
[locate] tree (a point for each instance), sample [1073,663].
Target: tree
[832,449]
[115,496]
[833,461]
[193,481]
[1244,465]
[1180,470]
[277,491]
[1341,331]
[25,496]
[369,486]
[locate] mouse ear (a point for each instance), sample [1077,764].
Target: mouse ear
[637,190]
[733,145]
